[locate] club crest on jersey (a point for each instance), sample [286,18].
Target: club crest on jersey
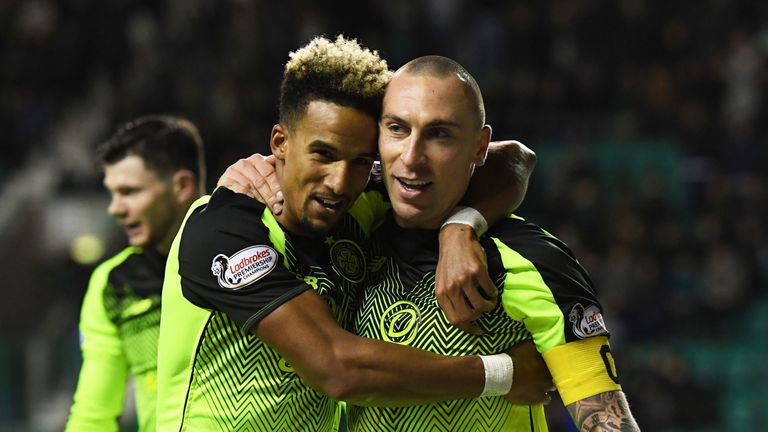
[243,267]
[587,321]
[348,260]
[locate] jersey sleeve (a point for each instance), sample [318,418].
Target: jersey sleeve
[232,259]
[100,394]
[550,292]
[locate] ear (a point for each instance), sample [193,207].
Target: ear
[278,141]
[481,146]
[185,187]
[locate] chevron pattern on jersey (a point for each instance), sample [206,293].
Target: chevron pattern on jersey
[138,322]
[466,415]
[393,312]
[140,337]
[238,383]
[429,328]
[248,388]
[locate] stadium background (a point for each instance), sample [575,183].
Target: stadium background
[649,119]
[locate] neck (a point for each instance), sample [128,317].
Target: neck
[164,245]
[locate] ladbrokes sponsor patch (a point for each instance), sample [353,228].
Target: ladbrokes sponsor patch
[244,267]
[587,321]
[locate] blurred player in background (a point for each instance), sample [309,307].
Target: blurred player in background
[153,169]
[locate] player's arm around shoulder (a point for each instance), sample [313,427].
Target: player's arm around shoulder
[360,370]
[463,287]
[585,374]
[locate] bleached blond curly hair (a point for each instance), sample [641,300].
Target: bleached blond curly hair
[340,71]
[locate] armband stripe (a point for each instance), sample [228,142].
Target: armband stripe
[582,369]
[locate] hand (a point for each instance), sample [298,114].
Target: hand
[255,177]
[462,285]
[532,379]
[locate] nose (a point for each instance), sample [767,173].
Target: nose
[339,178]
[116,206]
[412,153]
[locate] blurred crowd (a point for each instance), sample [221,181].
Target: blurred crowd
[648,118]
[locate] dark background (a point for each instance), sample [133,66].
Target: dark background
[649,119]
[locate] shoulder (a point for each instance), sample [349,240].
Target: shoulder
[102,272]
[516,238]
[226,217]
[224,209]
[229,228]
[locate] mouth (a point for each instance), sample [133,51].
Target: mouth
[414,185]
[131,228]
[331,204]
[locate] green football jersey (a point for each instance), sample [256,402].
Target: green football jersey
[119,328]
[402,308]
[229,267]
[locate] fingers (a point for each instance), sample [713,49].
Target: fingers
[462,285]
[235,181]
[255,176]
[461,317]
[486,287]
[265,181]
[475,301]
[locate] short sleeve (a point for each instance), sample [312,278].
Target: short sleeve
[231,259]
[550,292]
[545,286]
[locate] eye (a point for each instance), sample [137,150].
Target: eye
[395,129]
[323,154]
[438,133]
[126,191]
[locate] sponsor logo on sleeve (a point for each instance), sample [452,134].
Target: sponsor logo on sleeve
[587,321]
[244,267]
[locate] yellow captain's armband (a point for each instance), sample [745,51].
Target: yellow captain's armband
[582,369]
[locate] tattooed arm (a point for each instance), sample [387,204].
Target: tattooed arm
[603,412]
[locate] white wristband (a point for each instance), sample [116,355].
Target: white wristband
[468,216]
[499,372]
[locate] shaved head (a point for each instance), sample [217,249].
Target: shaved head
[441,67]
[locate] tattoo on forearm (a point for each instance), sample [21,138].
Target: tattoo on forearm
[602,413]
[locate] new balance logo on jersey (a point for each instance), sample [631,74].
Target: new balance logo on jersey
[587,321]
[400,322]
[244,267]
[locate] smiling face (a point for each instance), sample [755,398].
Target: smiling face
[142,202]
[429,142]
[323,163]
